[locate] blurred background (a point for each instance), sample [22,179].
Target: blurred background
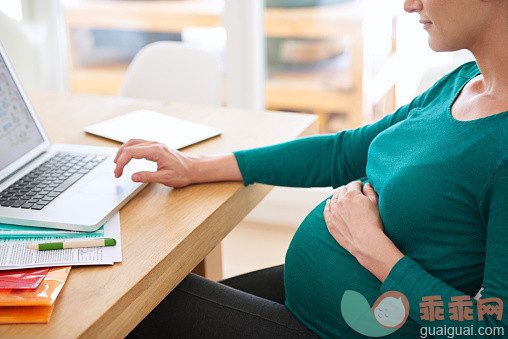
[350,62]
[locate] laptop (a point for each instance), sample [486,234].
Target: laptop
[60,186]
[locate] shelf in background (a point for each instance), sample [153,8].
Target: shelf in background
[306,91]
[173,16]
[148,16]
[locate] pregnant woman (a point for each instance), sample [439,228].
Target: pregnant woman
[421,205]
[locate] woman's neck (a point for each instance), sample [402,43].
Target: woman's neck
[491,54]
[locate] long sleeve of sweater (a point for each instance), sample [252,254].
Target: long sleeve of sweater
[316,161]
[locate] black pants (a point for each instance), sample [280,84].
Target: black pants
[246,306]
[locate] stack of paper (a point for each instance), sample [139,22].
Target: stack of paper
[28,296]
[14,253]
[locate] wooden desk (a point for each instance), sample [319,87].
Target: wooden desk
[181,226]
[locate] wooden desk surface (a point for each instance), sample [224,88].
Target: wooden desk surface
[181,225]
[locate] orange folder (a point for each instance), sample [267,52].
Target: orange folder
[25,314]
[33,306]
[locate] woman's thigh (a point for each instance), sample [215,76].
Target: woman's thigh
[267,283]
[201,308]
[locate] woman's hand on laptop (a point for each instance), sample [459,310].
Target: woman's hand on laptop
[174,168]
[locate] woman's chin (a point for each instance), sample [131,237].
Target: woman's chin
[440,46]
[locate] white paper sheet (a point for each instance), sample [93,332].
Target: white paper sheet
[14,253]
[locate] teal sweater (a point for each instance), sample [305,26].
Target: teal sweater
[442,187]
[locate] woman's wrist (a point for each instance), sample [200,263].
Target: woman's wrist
[193,168]
[380,258]
[211,168]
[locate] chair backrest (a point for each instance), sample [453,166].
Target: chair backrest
[435,73]
[174,71]
[37,45]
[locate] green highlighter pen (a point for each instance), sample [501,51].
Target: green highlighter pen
[74,244]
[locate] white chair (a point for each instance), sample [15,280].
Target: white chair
[431,76]
[37,45]
[435,73]
[174,71]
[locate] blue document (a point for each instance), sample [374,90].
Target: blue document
[13,231]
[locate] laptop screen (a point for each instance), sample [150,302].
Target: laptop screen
[18,132]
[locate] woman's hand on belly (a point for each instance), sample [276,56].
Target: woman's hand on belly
[353,219]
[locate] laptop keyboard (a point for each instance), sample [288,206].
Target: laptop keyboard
[50,179]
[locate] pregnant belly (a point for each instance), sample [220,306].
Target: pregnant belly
[317,272]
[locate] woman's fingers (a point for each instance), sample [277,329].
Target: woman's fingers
[173,167]
[354,186]
[131,142]
[337,195]
[327,214]
[136,152]
[326,211]
[369,192]
[336,225]
[148,177]
[341,192]
[349,215]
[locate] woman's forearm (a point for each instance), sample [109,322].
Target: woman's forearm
[210,168]
[381,256]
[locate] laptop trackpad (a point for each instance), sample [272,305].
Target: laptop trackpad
[104,183]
